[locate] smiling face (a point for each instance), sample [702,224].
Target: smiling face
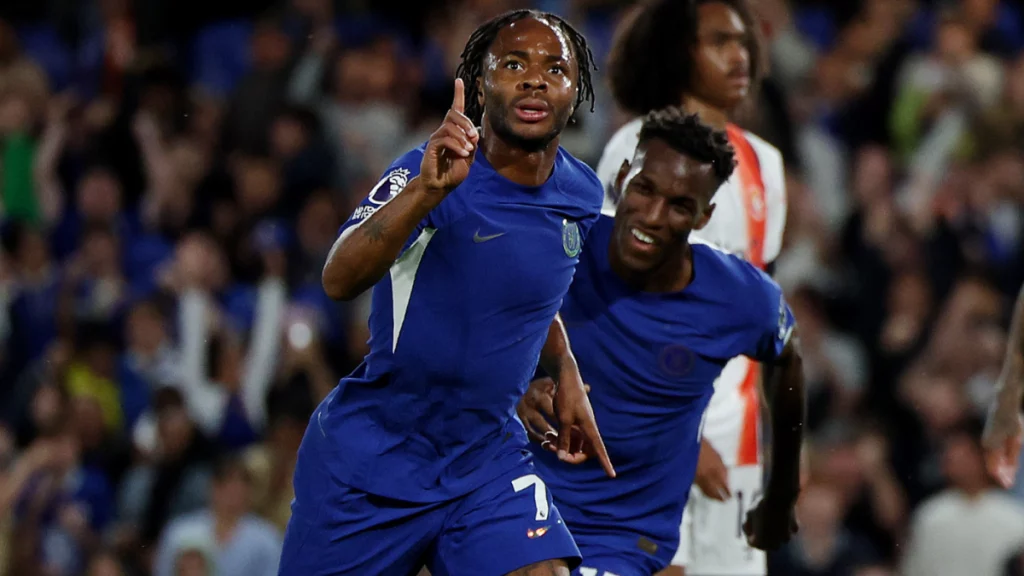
[665,195]
[530,83]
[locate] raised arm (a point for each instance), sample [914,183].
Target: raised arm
[264,351]
[48,155]
[157,165]
[1003,431]
[206,400]
[364,253]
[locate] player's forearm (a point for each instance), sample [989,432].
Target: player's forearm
[888,501]
[787,400]
[556,354]
[1011,380]
[363,254]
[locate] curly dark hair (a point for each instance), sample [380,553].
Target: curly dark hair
[650,65]
[472,65]
[686,134]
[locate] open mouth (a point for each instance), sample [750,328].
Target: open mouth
[532,110]
[642,242]
[643,238]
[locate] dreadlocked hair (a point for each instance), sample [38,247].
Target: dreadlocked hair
[686,134]
[471,67]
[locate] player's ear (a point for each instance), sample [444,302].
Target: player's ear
[480,92]
[705,217]
[620,178]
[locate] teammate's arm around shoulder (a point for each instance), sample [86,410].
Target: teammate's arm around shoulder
[363,254]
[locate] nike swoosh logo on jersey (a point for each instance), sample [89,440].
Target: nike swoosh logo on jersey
[478,238]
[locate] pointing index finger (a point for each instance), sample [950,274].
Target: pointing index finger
[592,434]
[459,102]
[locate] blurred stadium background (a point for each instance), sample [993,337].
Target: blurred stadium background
[172,175]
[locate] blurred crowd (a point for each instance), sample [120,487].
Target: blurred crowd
[172,176]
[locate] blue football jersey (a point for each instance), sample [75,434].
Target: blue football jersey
[651,360]
[456,329]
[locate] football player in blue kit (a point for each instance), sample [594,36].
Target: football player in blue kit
[653,318]
[470,243]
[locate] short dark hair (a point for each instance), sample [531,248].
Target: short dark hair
[472,65]
[12,236]
[650,65]
[166,398]
[686,134]
[148,303]
[302,115]
[90,334]
[970,429]
[99,229]
[230,464]
[291,403]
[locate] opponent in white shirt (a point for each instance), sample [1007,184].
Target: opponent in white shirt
[706,55]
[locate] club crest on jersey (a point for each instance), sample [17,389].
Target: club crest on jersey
[676,360]
[389,186]
[571,241]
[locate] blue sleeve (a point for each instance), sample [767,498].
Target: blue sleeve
[773,323]
[391,184]
[586,225]
[595,200]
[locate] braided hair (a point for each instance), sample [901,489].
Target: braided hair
[686,134]
[472,65]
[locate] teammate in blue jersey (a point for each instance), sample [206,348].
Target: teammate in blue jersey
[470,242]
[653,319]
